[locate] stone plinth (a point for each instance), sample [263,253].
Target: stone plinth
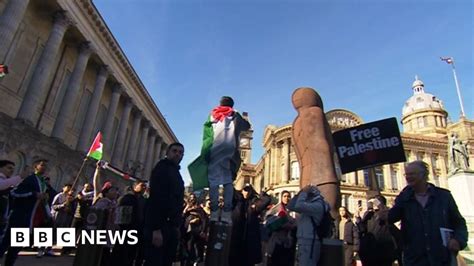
[461,184]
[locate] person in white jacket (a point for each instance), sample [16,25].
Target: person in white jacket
[310,205]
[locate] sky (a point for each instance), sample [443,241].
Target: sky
[359,55]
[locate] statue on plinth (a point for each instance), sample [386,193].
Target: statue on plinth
[458,155]
[314,146]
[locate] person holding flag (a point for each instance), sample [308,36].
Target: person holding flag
[220,155]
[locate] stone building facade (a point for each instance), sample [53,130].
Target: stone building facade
[425,134]
[68,79]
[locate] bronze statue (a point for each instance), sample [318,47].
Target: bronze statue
[314,146]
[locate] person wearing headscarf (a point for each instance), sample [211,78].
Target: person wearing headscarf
[245,245]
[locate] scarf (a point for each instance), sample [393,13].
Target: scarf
[221,112]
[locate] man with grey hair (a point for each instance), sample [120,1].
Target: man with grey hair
[426,211]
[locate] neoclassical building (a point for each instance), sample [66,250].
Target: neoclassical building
[68,79]
[424,130]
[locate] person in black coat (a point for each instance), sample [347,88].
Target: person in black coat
[30,207]
[347,231]
[130,215]
[245,245]
[163,216]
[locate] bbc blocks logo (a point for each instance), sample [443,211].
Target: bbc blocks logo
[66,237]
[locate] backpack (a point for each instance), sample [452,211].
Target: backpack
[325,229]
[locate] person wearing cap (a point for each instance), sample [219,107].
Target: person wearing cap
[221,151]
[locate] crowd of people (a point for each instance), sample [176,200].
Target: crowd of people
[174,226]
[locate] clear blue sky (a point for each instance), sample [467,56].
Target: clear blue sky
[359,55]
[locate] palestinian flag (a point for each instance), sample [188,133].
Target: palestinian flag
[95,151]
[215,139]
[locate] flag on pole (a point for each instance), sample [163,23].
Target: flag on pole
[95,151]
[448,60]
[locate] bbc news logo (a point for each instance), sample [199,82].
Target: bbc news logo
[66,237]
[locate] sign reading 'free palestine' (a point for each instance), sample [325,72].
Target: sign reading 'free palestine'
[369,145]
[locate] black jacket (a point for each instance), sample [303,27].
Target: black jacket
[245,247]
[351,234]
[131,211]
[25,202]
[165,204]
[421,226]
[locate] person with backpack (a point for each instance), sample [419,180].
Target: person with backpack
[311,206]
[347,231]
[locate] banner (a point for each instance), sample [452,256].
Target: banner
[369,145]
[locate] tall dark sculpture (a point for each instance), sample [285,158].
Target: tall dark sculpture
[314,146]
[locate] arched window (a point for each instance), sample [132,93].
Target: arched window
[295,170]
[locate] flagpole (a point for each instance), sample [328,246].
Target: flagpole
[79,173]
[457,88]
[450,61]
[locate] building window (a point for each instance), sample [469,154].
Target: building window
[367,182]
[394,177]
[421,122]
[295,171]
[379,176]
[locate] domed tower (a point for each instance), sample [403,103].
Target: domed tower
[423,113]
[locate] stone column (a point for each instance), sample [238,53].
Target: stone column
[286,161]
[72,90]
[122,130]
[444,171]
[109,121]
[267,169]
[401,177]
[150,154]
[10,20]
[427,159]
[91,114]
[273,163]
[132,142]
[157,156]
[164,147]
[143,144]
[37,88]
[387,176]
